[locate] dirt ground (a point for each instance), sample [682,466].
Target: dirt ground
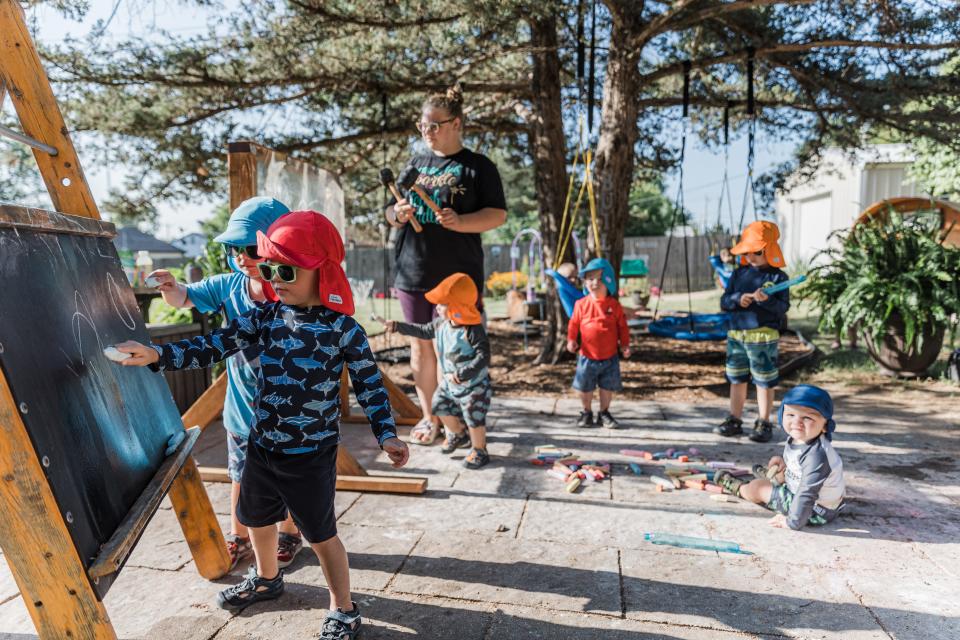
[658,369]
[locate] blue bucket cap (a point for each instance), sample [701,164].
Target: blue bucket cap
[608,277]
[255,214]
[807,395]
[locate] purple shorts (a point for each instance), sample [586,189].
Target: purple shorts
[417,309]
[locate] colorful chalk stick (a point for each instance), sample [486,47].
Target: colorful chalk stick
[636,468]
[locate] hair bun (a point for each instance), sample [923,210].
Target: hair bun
[454,94]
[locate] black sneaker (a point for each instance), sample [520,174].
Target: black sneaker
[762,431]
[586,419]
[729,483]
[729,427]
[604,419]
[340,625]
[252,589]
[476,458]
[454,441]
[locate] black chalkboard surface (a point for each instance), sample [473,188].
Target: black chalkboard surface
[99,429]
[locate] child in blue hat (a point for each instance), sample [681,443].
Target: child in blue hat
[805,485]
[600,323]
[236,293]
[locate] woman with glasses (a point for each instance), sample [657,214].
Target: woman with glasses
[466,186]
[234,294]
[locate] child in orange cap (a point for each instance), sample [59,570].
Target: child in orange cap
[303,341]
[755,322]
[463,354]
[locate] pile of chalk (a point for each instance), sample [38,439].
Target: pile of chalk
[678,469]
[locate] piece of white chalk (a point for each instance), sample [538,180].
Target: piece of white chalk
[115,354]
[151,282]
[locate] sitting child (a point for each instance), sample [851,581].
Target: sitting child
[599,321]
[463,354]
[807,482]
[723,265]
[304,342]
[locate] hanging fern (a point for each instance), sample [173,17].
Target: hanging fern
[891,267]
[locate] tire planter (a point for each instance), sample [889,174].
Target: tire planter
[893,356]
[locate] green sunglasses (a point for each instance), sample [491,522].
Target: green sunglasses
[283,272]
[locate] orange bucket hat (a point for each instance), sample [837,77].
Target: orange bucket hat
[760,236]
[459,293]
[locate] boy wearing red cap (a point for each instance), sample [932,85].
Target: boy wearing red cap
[755,322]
[463,355]
[304,341]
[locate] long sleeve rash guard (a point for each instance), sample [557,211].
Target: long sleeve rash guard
[302,354]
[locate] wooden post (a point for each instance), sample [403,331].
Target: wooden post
[36,543]
[208,406]
[242,170]
[40,116]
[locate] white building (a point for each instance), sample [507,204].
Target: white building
[843,186]
[191,244]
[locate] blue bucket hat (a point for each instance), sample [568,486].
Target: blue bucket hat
[608,278]
[255,214]
[807,395]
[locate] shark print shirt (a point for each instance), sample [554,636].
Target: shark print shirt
[302,355]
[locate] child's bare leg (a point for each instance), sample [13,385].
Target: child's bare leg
[288,526]
[264,541]
[765,402]
[738,397]
[452,424]
[757,491]
[336,569]
[478,437]
[586,398]
[606,397]
[236,528]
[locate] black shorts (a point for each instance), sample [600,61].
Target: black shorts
[416,308]
[303,483]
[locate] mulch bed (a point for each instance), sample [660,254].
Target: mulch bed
[659,368]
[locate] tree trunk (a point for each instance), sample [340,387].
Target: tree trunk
[548,150]
[614,164]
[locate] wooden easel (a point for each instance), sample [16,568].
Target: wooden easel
[351,475]
[56,588]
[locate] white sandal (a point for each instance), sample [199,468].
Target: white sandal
[425,433]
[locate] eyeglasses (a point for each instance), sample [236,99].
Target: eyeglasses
[758,253]
[250,251]
[425,125]
[283,272]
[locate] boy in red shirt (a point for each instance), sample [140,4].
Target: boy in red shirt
[601,324]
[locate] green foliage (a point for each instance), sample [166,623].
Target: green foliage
[651,212]
[888,267]
[163,313]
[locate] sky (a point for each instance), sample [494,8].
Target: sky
[703,169]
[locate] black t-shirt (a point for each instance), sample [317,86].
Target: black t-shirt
[466,182]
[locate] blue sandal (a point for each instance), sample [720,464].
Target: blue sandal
[341,626]
[252,589]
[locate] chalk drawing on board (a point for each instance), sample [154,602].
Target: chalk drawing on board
[79,316]
[116,297]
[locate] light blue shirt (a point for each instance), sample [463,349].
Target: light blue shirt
[229,291]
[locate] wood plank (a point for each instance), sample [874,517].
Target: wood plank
[242,172]
[31,219]
[359,418]
[209,405]
[36,543]
[383,484]
[347,465]
[40,116]
[116,550]
[401,404]
[199,523]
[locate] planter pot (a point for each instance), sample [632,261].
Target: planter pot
[894,358]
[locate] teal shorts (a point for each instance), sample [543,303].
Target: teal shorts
[752,360]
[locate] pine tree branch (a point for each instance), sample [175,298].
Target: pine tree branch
[317,8]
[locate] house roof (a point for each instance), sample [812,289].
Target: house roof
[132,239]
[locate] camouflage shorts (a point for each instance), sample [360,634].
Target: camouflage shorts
[236,455]
[471,407]
[781,498]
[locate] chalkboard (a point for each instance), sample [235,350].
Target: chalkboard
[98,429]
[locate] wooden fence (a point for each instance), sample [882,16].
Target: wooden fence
[368,262]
